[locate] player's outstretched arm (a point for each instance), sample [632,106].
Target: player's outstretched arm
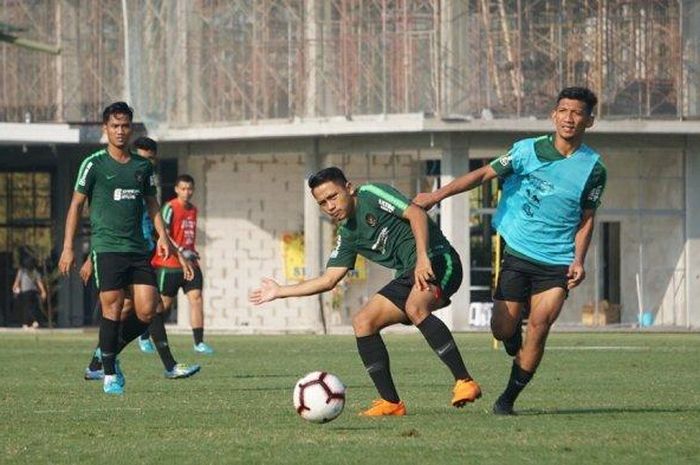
[461,184]
[67,257]
[269,289]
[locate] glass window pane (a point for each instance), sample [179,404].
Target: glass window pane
[43,207]
[3,240]
[3,208]
[21,183]
[22,207]
[42,182]
[42,242]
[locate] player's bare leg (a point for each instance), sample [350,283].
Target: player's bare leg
[145,343]
[167,303]
[145,299]
[419,307]
[545,308]
[197,321]
[506,324]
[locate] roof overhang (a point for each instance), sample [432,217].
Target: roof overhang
[38,133]
[409,123]
[403,123]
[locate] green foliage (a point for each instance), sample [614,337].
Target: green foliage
[598,398]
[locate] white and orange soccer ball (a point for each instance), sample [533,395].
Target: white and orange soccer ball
[319,397]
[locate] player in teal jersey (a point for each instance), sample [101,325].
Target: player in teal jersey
[552,186]
[119,185]
[379,223]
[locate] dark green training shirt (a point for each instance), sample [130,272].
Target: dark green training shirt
[116,194]
[378,232]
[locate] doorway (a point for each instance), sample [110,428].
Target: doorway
[25,229]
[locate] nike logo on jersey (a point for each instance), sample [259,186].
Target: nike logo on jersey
[111,176]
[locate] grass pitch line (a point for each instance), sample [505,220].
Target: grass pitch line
[632,348]
[92,410]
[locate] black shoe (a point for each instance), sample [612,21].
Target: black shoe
[513,343]
[503,407]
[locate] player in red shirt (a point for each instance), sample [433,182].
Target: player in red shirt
[180,217]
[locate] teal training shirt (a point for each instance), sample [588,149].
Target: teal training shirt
[540,208]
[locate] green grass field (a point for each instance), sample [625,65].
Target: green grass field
[598,398]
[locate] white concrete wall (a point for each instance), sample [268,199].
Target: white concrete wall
[248,202]
[645,193]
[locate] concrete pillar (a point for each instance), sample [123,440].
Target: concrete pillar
[691,56]
[313,254]
[692,230]
[176,81]
[132,21]
[454,222]
[453,57]
[68,78]
[311,57]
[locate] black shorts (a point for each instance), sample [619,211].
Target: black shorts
[119,270]
[519,279]
[170,280]
[447,268]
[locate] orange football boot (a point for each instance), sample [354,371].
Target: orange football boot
[383,407]
[465,390]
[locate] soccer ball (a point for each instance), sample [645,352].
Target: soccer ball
[319,397]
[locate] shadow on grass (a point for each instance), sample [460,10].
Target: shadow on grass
[355,428]
[607,410]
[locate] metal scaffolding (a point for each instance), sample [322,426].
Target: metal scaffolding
[181,62]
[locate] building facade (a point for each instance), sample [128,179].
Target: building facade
[251,97]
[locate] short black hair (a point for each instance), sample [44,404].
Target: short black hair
[583,94]
[117,108]
[333,174]
[184,178]
[146,143]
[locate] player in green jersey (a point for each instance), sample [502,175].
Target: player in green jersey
[118,185]
[147,148]
[379,223]
[552,186]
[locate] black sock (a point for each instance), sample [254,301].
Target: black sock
[441,341]
[109,337]
[376,360]
[517,382]
[160,338]
[198,334]
[95,362]
[130,329]
[146,335]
